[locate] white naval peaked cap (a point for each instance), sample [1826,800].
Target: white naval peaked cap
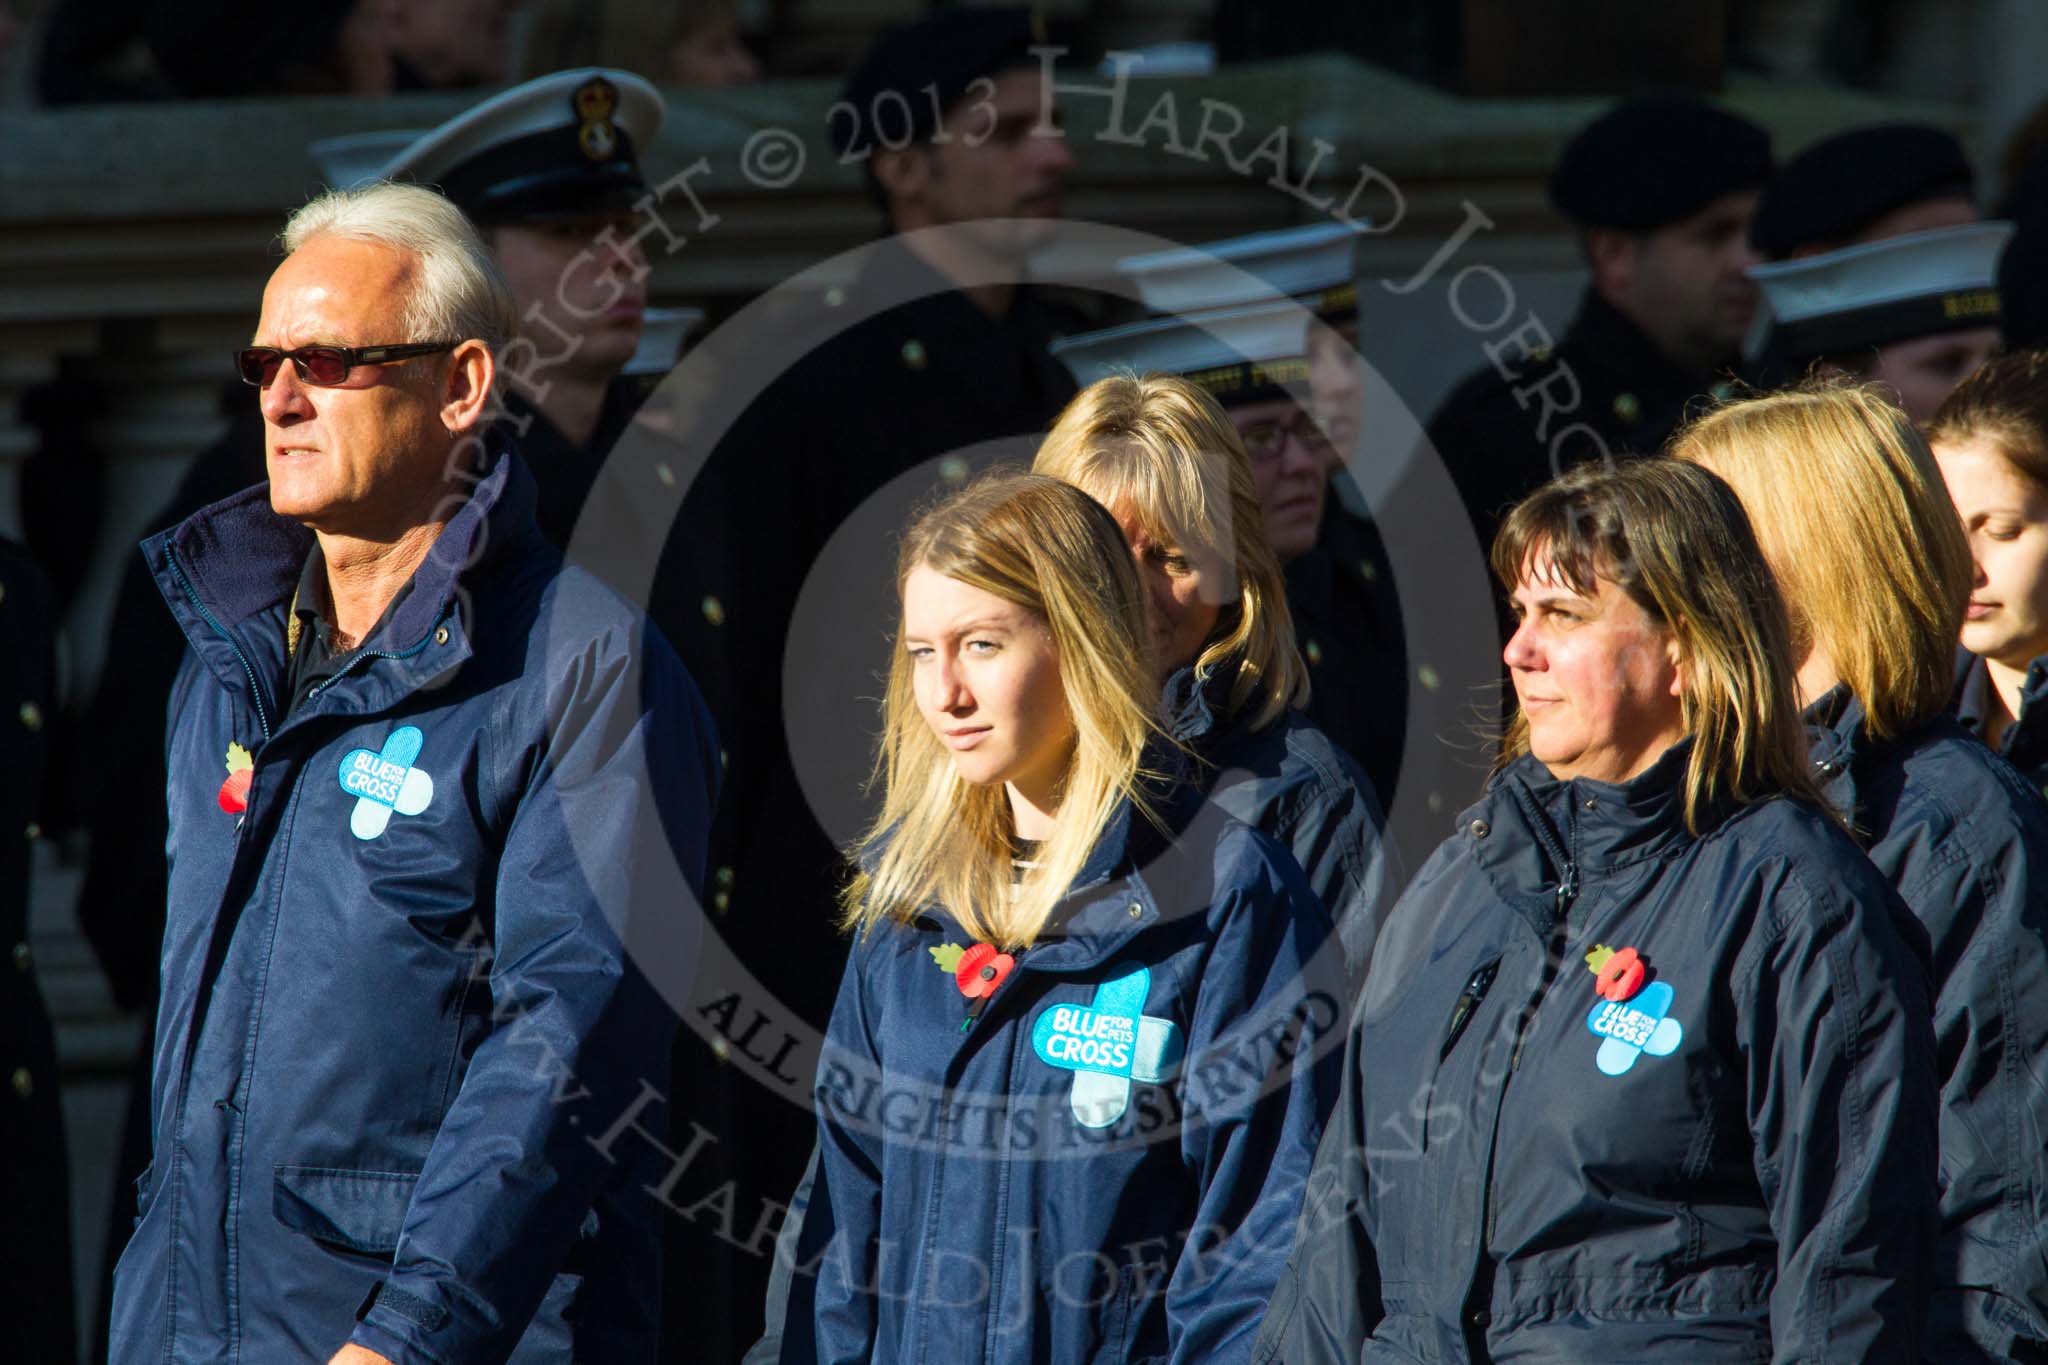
[1893,289]
[357,158]
[1315,264]
[1240,355]
[562,144]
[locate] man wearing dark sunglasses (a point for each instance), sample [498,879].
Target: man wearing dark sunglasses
[409,754]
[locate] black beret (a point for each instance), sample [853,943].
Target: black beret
[947,50]
[1656,159]
[1842,184]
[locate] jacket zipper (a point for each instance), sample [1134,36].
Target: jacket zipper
[410,651]
[206,615]
[1567,894]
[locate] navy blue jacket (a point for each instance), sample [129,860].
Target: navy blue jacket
[1288,780]
[1105,1164]
[402,991]
[2025,742]
[1733,1163]
[1964,839]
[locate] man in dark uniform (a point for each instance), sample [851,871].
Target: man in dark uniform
[544,169]
[35,1220]
[1661,189]
[910,399]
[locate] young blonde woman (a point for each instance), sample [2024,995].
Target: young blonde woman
[1643,1069]
[1852,515]
[1991,440]
[1072,1083]
[1166,460]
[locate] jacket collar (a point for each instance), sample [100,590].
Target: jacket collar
[1193,706]
[1836,741]
[1137,875]
[229,570]
[1972,699]
[1615,343]
[1598,826]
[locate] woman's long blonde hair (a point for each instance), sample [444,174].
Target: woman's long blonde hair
[1853,515]
[1043,545]
[1159,450]
[1675,539]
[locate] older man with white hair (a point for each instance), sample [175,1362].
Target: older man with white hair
[438,810]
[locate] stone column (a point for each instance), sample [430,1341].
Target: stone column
[28,357]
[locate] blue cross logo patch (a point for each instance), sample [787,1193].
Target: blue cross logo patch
[1107,1044]
[386,781]
[1629,1028]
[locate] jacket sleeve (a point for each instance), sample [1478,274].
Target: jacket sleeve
[1266,994]
[596,883]
[1837,1041]
[1339,838]
[829,1318]
[1328,1300]
[1982,894]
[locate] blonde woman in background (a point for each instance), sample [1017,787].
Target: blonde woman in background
[1165,459]
[1854,519]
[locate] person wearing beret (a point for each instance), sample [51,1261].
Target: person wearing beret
[1661,189]
[1868,183]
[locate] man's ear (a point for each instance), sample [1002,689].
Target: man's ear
[903,172]
[466,393]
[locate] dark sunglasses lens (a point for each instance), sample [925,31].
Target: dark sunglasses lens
[258,365]
[322,364]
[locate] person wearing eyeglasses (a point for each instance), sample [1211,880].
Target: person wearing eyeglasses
[407,981]
[1252,360]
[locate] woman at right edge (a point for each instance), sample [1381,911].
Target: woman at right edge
[1643,1069]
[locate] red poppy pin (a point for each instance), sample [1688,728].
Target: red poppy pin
[977,970]
[1617,975]
[234,793]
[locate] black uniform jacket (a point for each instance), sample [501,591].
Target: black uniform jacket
[1502,437]
[1618,1091]
[35,1223]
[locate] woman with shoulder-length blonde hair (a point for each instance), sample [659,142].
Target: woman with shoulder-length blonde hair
[1161,454]
[1644,1062]
[1852,514]
[1991,440]
[1048,929]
